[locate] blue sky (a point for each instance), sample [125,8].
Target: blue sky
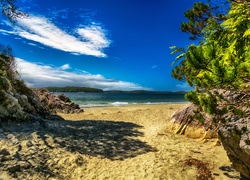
[106,44]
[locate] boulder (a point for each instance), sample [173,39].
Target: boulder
[57,103]
[18,102]
[233,130]
[235,138]
[182,122]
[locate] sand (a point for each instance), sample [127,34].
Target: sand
[128,142]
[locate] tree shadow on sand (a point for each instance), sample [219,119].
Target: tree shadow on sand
[40,147]
[107,139]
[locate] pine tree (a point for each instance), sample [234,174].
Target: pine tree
[221,61]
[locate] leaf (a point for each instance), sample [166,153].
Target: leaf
[246,33]
[231,48]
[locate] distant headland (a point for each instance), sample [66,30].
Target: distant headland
[95,90]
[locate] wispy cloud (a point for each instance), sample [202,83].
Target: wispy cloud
[154,66]
[84,40]
[39,75]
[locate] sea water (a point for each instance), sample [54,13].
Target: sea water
[85,99]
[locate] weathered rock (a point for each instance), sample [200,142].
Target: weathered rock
[235,137]
[57,103]
[234,134]
[19,104]
[63,98]
[182,123]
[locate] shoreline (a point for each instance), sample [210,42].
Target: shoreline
[127,104]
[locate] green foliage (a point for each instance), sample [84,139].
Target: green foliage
[2,97]
[220,61]
[20,86]
[244,129]
[7,69]
[200,15]
[7,62]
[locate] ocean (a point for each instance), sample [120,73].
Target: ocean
[85,99]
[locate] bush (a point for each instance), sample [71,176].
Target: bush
[7,63]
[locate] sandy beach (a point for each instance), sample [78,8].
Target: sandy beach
[108,143]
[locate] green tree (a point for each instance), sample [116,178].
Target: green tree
[221,62]
[199,15]
[202,12]
[7,62]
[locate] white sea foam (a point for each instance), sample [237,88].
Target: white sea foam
[119,103]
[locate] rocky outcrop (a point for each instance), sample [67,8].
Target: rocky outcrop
[182,122]
[57,103]
[21,103]
[234,134]
[235,137]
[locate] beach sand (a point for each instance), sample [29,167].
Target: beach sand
[123,143]
[156,154]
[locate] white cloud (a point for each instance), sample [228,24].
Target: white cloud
[154,66]
[65,67]
[87,40]
[32,44]
[39,75]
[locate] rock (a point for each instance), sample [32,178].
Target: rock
[233,131]
[57,103]
[63,98]
[235,137]
[23,101]
[18,102]
[181,122]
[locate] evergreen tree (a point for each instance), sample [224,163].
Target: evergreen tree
[221,61]
[202,12]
